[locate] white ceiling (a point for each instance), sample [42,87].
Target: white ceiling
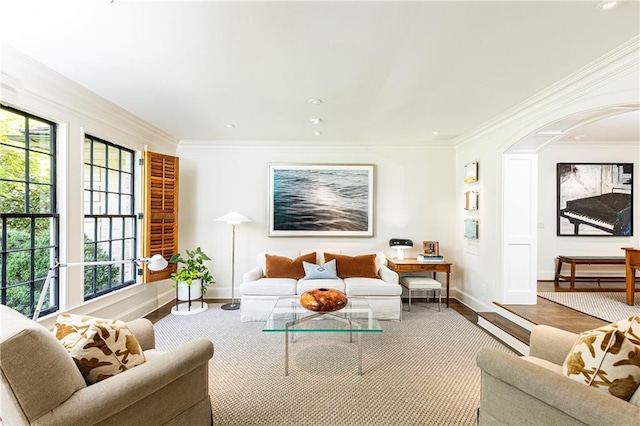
[387,72]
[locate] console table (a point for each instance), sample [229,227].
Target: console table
[414,265]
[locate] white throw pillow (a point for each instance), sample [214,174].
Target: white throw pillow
[320,272]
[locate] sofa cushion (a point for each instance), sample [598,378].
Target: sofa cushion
[370,287]
[269,287]
[320,272]
[354,266]
[284,267]
[101,348]
[306,285]
[607,358]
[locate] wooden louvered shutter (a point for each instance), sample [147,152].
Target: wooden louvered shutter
[160,216]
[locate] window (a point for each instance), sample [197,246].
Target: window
[28,212]
[109,218]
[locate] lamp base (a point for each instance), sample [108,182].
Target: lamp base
[231,306]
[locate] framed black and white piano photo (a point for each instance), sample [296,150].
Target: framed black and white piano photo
[595,199]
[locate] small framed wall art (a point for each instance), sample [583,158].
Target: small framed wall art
[471,229]
[471,200]
[471,172]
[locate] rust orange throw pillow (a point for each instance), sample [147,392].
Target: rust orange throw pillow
[354,266]
[283,267]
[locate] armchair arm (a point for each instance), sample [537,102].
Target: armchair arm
[142,328]
[104,399]
[388,275]
[557,392]
[551,343]
[252,275]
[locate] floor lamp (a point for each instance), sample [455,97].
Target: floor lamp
[154,263]
[233,219]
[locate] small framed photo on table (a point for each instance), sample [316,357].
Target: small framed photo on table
[430,248]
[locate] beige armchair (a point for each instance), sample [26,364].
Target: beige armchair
[41,385]
[531,390]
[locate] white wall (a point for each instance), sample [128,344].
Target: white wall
[33,88]
[482,266]
[414,198]
[550,245]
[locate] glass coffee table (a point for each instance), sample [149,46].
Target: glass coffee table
[289,317]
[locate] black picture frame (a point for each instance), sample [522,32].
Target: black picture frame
[594,199]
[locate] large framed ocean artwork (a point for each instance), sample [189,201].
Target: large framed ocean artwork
[321,200]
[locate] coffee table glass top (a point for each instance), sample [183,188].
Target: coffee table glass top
[288,315]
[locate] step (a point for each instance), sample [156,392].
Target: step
[505,330]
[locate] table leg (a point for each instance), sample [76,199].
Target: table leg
[286,352]
[448,274]
[360,354]
[631,284]
[558,270]
[573,275]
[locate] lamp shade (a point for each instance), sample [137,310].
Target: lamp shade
[400,243]
[233,218]
[157,262]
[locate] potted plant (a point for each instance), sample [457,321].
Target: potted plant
[193,270]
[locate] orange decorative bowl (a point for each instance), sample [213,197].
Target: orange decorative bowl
[323,300]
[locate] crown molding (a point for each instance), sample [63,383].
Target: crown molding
[32,87]
[608,67]
[252,145]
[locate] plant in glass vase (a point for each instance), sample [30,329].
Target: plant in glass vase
[191,268]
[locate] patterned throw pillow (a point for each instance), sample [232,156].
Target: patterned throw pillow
[320,272]
[363,266]
[607,358]
[283,267]
[101,348]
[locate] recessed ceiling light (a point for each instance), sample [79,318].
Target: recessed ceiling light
[315,101]
[577,137]
[229,126]
[608,4]
[317,133]
[316,120]
[435,132]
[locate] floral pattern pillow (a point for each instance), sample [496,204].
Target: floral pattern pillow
[607,358]
[101,348]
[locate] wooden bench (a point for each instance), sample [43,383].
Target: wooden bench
[586,260]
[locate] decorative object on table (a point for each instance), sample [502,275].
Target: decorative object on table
[154,263]
[191,281]
[233,219]
[471,229]
[306,199]
[471,172]
[400,245]
[471,200]
[430,248]
[595,199]
[323,300]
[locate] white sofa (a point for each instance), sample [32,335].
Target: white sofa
[259,294]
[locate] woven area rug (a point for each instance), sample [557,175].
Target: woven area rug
[418,371]
[604,305]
